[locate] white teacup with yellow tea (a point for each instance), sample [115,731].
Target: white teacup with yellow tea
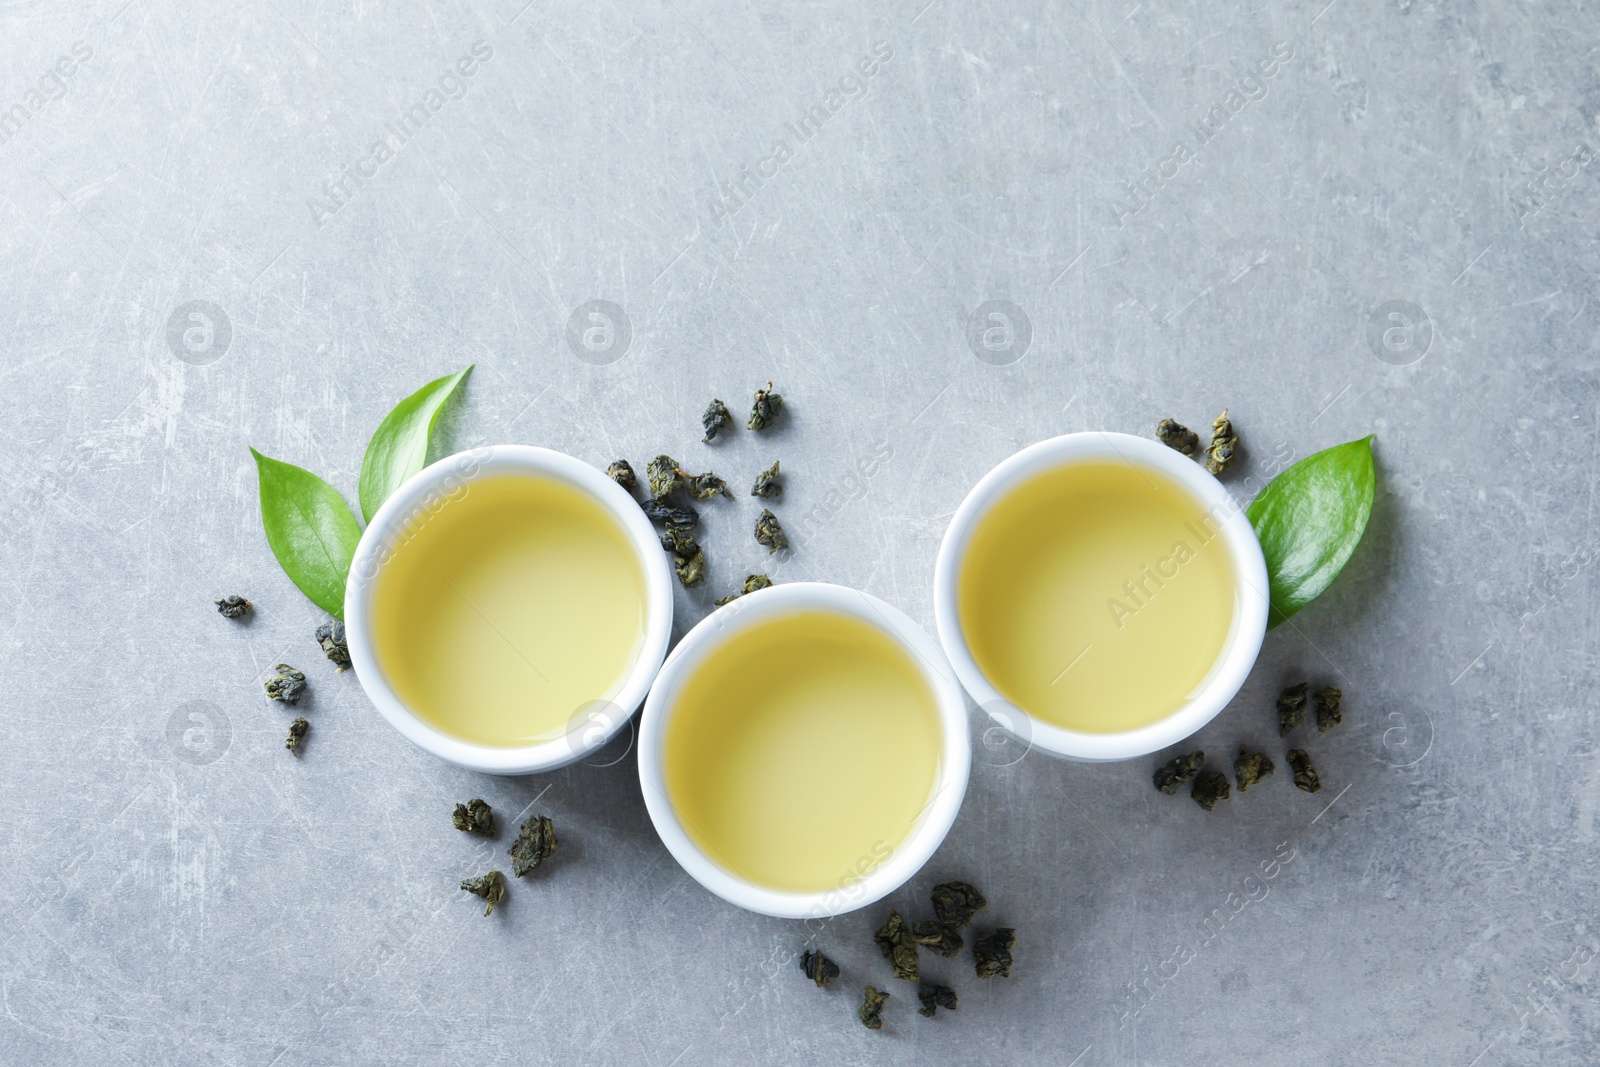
[1100,596]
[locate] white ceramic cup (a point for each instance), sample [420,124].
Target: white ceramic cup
[1238,653]
[856,889]
[436,487]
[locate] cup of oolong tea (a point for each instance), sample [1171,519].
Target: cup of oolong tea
[1101,596]
[508,608]
[804,750]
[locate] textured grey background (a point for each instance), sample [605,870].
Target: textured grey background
[177,888]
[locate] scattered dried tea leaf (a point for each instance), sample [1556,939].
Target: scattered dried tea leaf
[330,635]
[955,903]
[1250,768]
[933,997]
[678,539]
[1291,708]
[535,843]
[751,584]
[895,942]
[993,953]
[671,514]
[1177,436]
[767,485]
[1305,775]
[1178,770]
[287,686]
[664,477]
[819,968]
[703,486]
[621,472]
[475,817]
[491,888]
[871,1011]
[1224,442]
[1329,714]
[234,607]
[691,569]
[769,533]
[766,408]
[1209,788]
[715,418]
[936,937]
[297,735]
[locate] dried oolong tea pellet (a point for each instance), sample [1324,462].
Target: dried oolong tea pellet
[287,686]
[894,940]
[819,968]
[871,1011]
[1305,775]
[621,472]
[1209,788]
[769,533]
[936,937]
[1291,708]
[955,903]
[767,485]
[331,636]
[1329,714]
[715,418]
[765,409]
[1224,443]
[474,817]
[752,582]
[1177,771]
[992,953]
[535,843]
[234,607]
[1178,437]
[297,735]
[491,888]
[933,997]
[1250,768]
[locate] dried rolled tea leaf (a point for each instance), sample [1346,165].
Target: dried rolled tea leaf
[297,735]
[936,937]
[1250,768]
[1305,775]
[287,686]
[715,418]
[1178,770]
[1291,708]
[1224,442]
[871,1011]
[621,472]
[819,968]
[1329,714]
[752,582]
[769,533]
[992,952]
[234,607]
[933,997]
[703,486]
[330,635]
[678,539]
[894,940]
[1209,788]
[664,477]
[1177,436]
[671,514]
[691,569]
[955,903]
[535,843]
[491,888]
[475,817]
[767,484]
[766,408]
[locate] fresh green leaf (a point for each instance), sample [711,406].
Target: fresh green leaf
[1309,520]
[399,446]
[310,528]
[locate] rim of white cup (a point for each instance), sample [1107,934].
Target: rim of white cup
[435,487]
[857,889]
[1239,653]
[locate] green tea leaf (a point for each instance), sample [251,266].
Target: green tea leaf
[399,446]
[1309,520]
[310,528]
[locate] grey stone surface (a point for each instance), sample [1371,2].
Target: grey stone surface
[176,888]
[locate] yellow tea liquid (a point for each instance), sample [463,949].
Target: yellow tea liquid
[1098,596]
[802,751]
[509,611]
